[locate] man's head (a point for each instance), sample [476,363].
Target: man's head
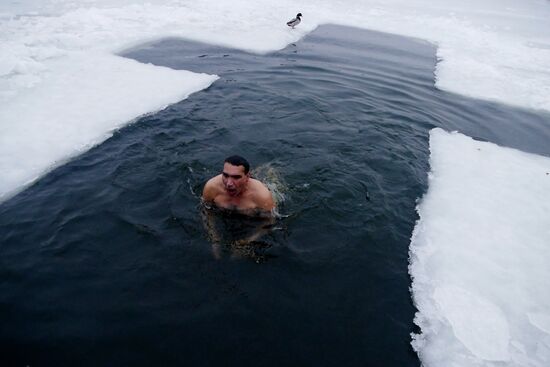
[235,175]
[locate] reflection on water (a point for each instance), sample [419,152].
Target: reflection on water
[107,261]
[273,179]
[238,234]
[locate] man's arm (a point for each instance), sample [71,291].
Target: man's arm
[208,196]
[264,199]
[209,191]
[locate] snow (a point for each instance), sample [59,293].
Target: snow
[479,256]
[52,50]
[46,127]
[476,322]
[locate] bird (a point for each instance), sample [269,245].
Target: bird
[294,22]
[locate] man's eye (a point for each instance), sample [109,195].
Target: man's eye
[225,174]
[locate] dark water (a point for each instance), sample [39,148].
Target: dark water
[105,261]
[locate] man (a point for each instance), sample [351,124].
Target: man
[234,189]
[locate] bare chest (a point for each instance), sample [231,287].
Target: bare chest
[234,203]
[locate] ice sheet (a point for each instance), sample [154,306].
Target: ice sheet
[45,127]
[489,49]
[479,256]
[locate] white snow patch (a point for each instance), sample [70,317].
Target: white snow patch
[479,324]
[42,128]
[540,320]
[479,256]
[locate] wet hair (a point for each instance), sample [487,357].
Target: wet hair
[237,160]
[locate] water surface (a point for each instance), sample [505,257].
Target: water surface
[105,261]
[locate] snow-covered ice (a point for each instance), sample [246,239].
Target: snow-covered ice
[46,127]
[50,50]
[480,256]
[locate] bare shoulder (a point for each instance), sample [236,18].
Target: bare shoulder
[211,188]
[262,195]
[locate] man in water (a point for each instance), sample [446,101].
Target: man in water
[235,190]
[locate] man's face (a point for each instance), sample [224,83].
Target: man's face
[234,179]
